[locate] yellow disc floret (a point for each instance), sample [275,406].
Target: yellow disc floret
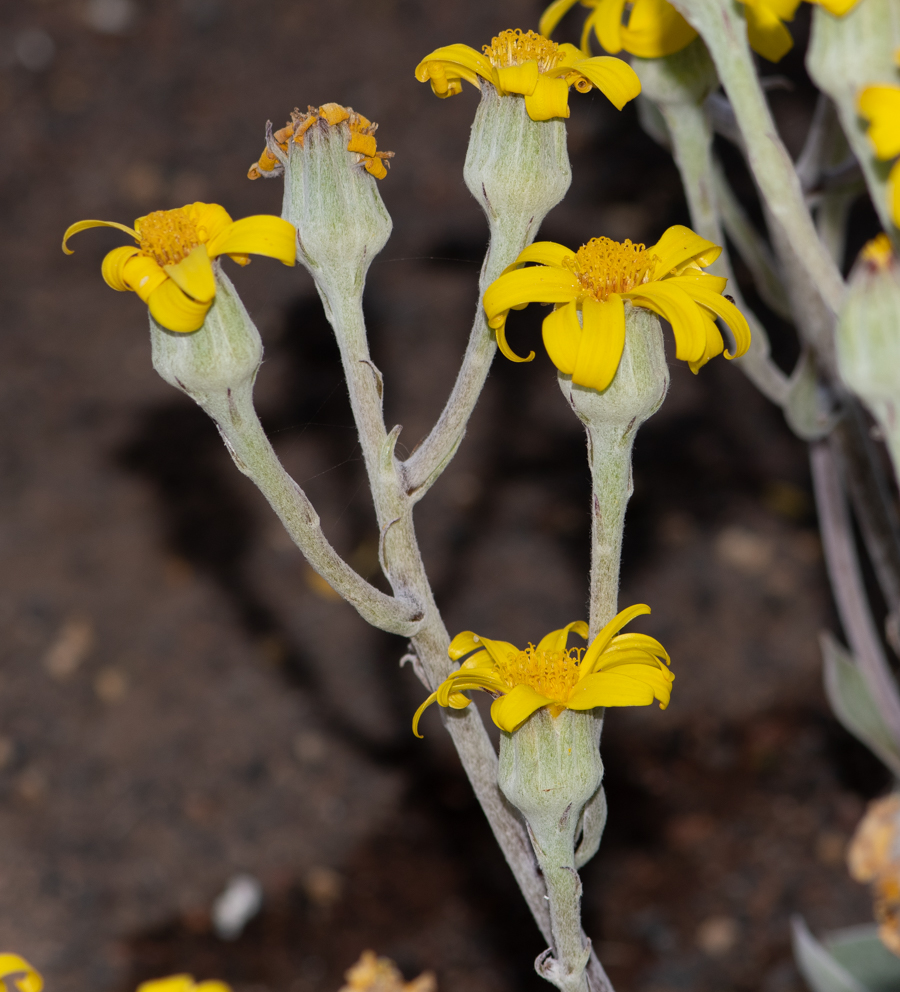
[603,266]
[553,674]
[168,236]
[516,47]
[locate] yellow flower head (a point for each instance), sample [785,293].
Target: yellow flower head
[880,106]
[531,66]
[666,278]
[653,28]
[171,269]
[182,983]
[17,973]
[362,139]
[623,670]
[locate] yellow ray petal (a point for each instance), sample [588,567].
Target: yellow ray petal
[615,79]
[880,105]
[143,275]
[601,641]
[173,983]
[27,979]
[675,306]
[84,225]
[417,716]
[469,679]
[210,218]
[521,79]
[543,252]
[607,21]
[722,308]
[499,650]
[568,55]
[175,311]
[610,689]
[463,644]
[263,234]
[767,35]
[679,244]
[111,269]
[654,29]
[837,7]
[615,658]
[556,640]
[562,332]
[538,284]
[602,341]
[549,100]
[644,642]
[194,275]
[553,15]
[511,711]
[893,190]
[446,65]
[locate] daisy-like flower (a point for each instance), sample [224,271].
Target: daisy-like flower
[17,973]
[880,106]
[531,66]
[171,268]
[653,28]
[615,670]
[598,281]
[362,140]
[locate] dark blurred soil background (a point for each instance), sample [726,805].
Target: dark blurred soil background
[181,701]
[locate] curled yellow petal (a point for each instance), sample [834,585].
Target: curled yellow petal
[721,308]
[602,342]
[21,972]
[607,22]
[679,245]
[602,640]
[143,275]
[557,640]
[174,311]
[544,253]
[538,284]
[521,79]
[553,15]
[112,266]
[194,275]
[263,234]
[767,35]
[615,78]
[84,225]
[509,712]
[674,305]
[444,67]
[562,332]
[549,100]
[655,29]
[210,218]
[418,714]
[610,689]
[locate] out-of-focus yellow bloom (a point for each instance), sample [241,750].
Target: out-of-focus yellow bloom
[17,973]
[530,66]
[171,267]
[623,670]
[874,856]
[374,974]
[182,983]
[653,28]
[666,278]
[880,106]
[362,139]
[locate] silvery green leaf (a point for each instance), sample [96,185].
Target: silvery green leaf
[853,705]
[860,951]
[821,971]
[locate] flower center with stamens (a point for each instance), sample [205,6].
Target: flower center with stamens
[604,266]
[514,48]
[168,236]
[551,673]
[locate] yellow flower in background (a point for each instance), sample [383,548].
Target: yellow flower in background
[171,267]
[653,28]
[182,983]
[880,106]
[17,973]
[649,29]
[597,280]
[530,66]
[615,670]
[362,139]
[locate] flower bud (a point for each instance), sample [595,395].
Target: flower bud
[868,337]
[517,168]
[219,360]
[330,161]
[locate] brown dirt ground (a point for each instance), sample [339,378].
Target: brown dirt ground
[177,699]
